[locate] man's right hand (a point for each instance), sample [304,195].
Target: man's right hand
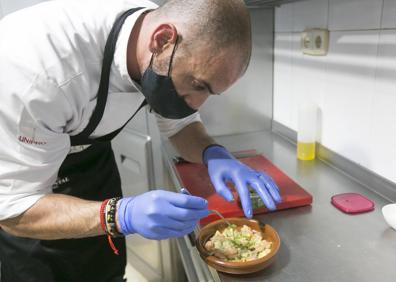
[160,214]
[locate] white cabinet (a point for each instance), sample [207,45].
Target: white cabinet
[134,159]
[150,260]
[132,151]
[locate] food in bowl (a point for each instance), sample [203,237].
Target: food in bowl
[238,244]
[238,267]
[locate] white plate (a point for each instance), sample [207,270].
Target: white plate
[389,212]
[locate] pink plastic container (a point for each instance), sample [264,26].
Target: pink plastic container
[352,203]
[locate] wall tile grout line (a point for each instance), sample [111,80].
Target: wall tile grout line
[382,14]
[328,14]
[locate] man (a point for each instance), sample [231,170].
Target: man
[72,74]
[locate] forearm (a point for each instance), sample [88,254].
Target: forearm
[57,216]
[191,141]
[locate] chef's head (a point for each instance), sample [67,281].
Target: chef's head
[197,47]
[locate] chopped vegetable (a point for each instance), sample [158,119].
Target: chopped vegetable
[234,244]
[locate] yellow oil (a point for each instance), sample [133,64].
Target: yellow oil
[305,151]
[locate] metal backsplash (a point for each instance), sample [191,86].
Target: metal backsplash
[247,106]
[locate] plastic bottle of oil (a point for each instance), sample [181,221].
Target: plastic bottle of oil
[306,135]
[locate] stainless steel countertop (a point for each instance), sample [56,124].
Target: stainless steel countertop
[319,243]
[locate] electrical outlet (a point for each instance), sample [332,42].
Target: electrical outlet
[315,41]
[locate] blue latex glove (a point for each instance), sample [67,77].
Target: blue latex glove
[222,167]
[160,214]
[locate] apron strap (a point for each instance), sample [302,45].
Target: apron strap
[82,137]
[113,134]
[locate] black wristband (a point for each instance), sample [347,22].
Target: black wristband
[206,148]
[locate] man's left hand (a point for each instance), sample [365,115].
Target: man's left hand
[223,167]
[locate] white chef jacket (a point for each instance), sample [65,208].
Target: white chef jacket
[50,64]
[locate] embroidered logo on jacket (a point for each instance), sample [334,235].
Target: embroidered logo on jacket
[28,140]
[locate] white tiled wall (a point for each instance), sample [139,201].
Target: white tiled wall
[389,14]
[354,14]
[9,6]
[382,134]
[354,85]
[282,76]
[302,16]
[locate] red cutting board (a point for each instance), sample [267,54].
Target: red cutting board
[196,179]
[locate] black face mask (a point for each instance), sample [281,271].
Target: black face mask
[161,94]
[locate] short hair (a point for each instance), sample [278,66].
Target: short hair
[216,23]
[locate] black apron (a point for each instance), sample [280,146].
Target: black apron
[91,174]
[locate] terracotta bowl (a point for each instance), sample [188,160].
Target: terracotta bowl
[268,233]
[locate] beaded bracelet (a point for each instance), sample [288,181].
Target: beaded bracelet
[110,218]
[107,221]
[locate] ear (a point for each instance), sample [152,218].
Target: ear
[163,36]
